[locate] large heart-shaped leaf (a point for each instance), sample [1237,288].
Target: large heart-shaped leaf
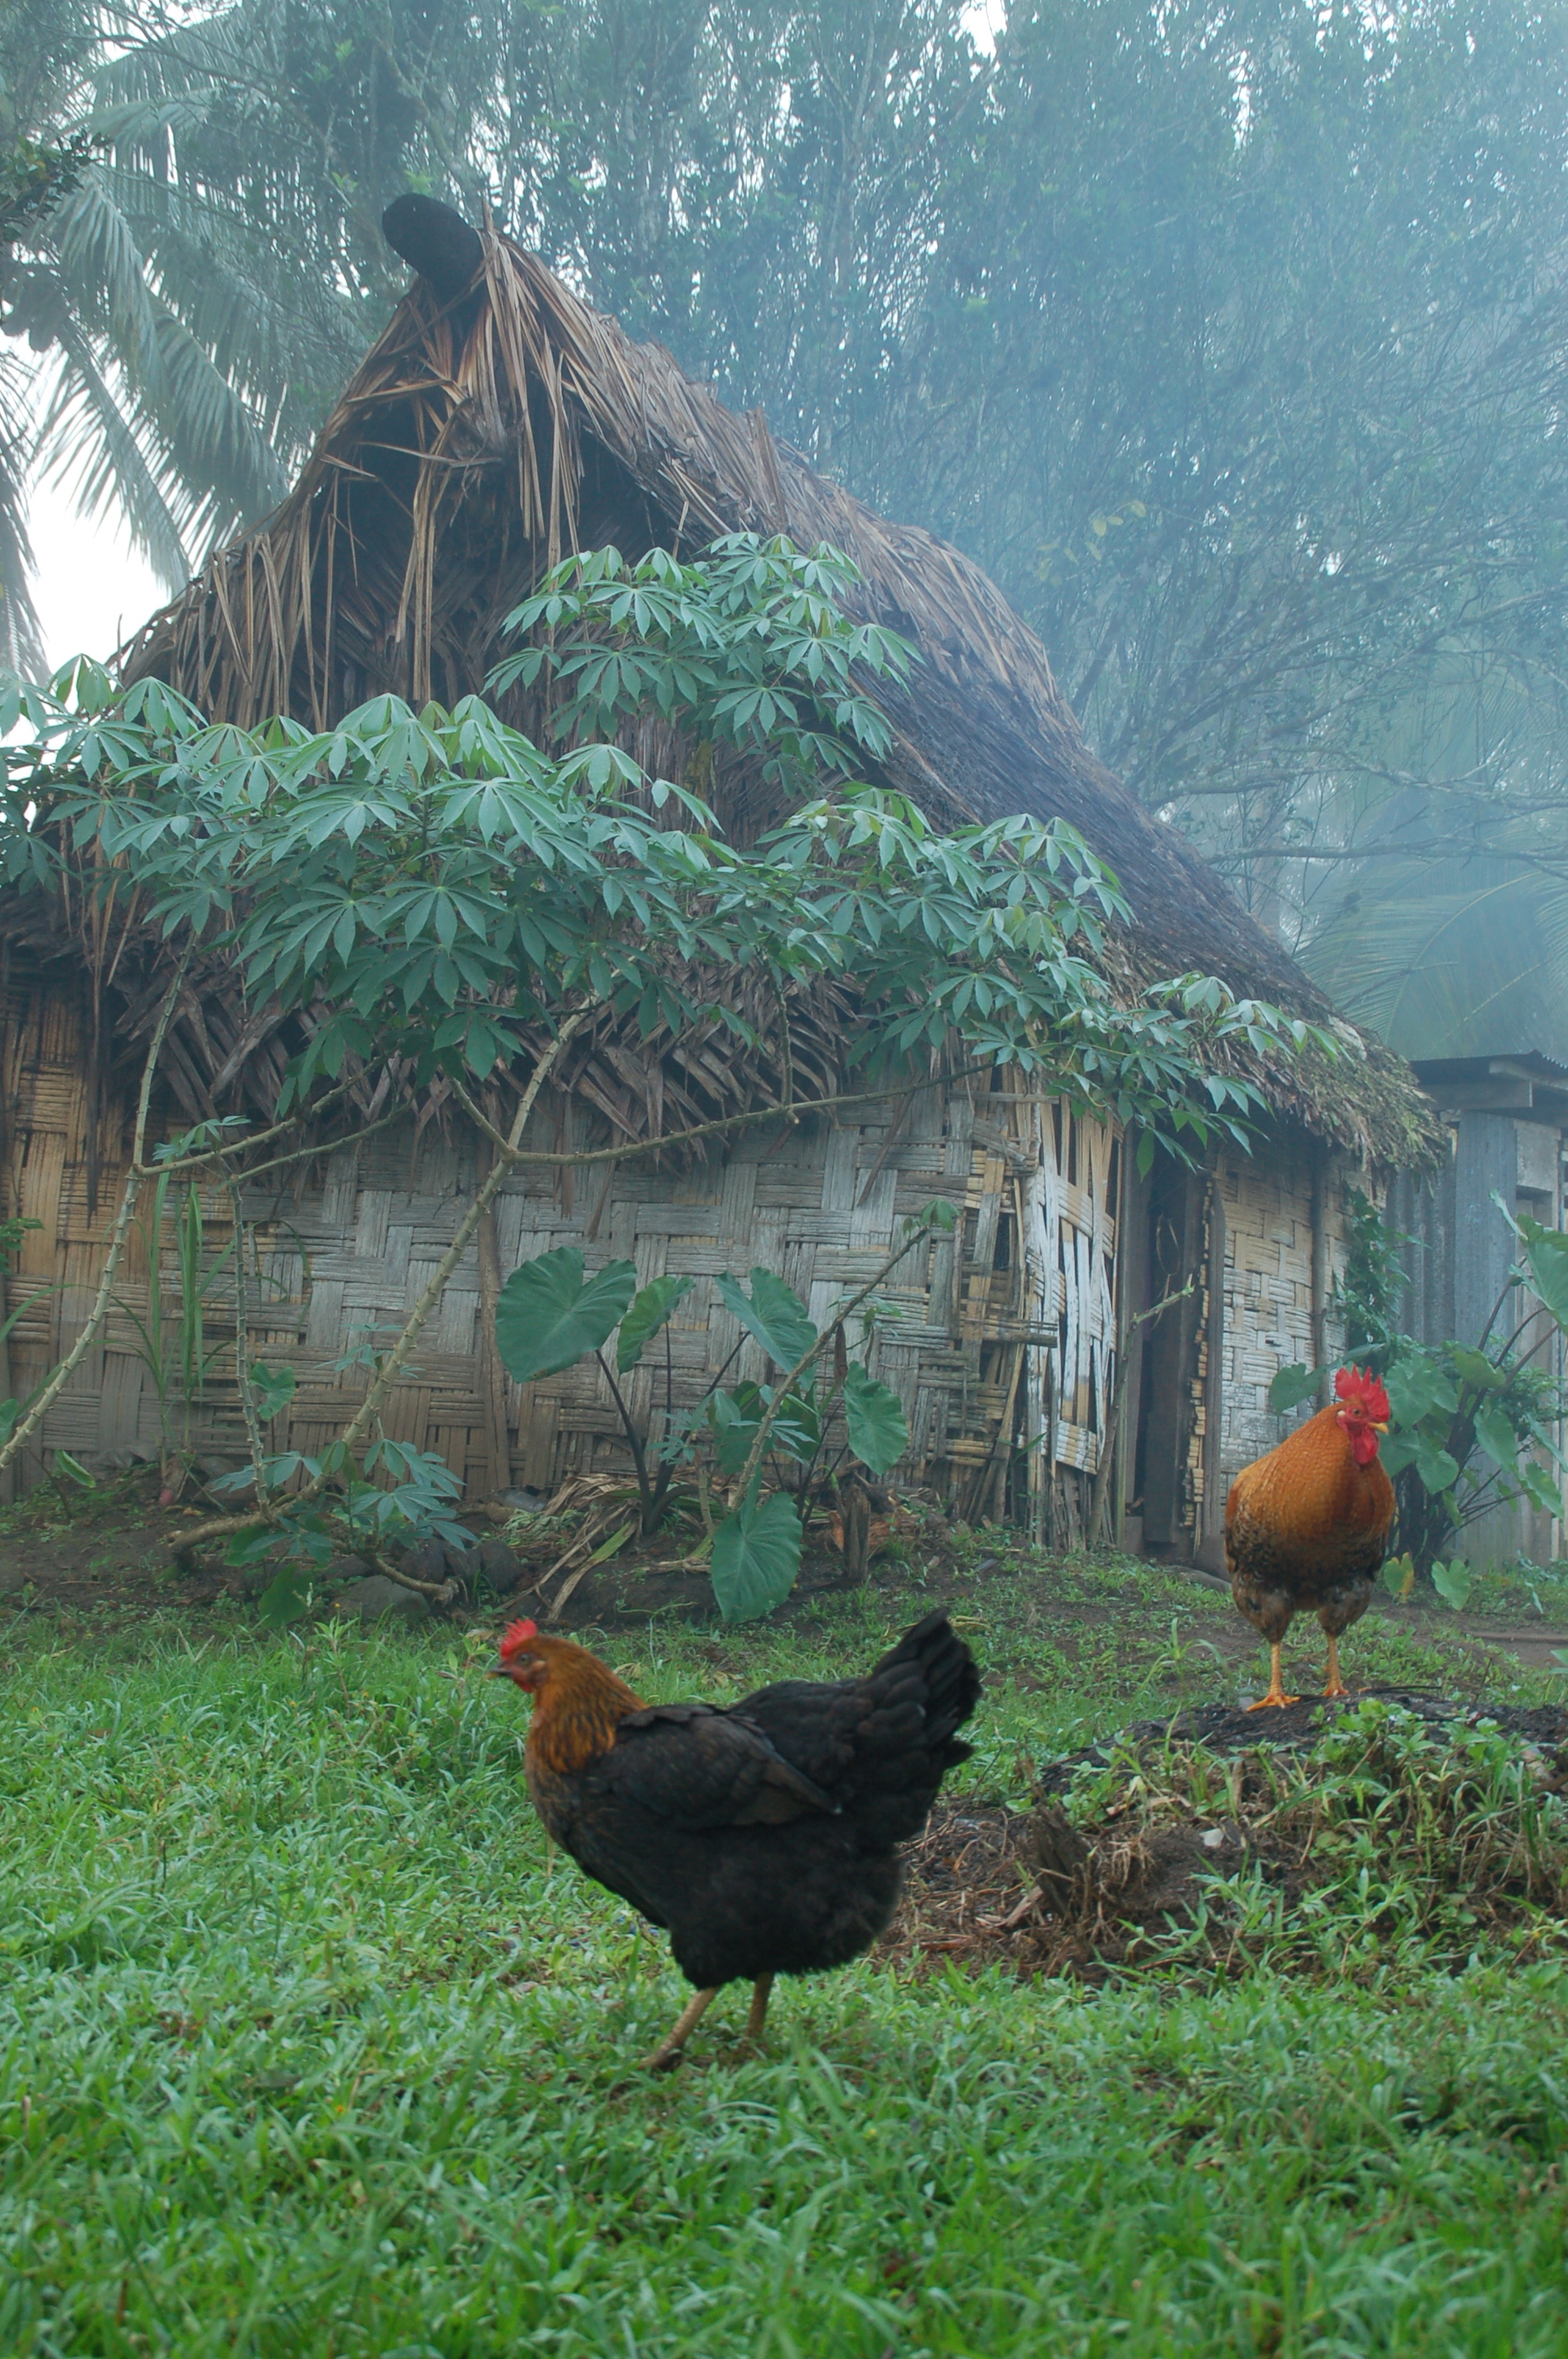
[1546,1251]
[1398,1453]
[756,1555]
[648,1313]
[1437,1470]
[272,1389]
[285,1600]
[1417,1385]
[546,1317]
[773,1312]
[1399,1575]
[874,1414]
[1497,1436]
[1475,1368]
[735,1418]
[1539,1488]
[1453,1583]
[1288,1388]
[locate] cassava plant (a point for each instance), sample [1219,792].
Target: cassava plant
[436,898]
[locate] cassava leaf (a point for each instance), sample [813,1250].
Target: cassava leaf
[874,1414]
[649,1310]
[549,1317]
[797,1429]
[756,1556]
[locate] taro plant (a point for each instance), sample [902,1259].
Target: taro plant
[775,1443]
[1472,1427]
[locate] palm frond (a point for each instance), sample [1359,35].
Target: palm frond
[86,428]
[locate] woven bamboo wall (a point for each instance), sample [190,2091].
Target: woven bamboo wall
[1267,1204]
[1005,1337]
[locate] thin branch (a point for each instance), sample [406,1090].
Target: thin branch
[782,1391]
[729,1122]
[186,1543]
[242,1146]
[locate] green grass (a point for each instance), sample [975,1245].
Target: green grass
[307,2049]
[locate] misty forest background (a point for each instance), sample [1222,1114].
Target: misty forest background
[1231,340]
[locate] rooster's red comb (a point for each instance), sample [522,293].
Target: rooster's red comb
[516,1637]
[1363,1392]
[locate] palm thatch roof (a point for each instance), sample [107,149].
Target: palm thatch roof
[500,423]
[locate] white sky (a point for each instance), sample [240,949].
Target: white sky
[90,586]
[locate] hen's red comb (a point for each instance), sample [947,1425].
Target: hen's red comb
[1365,1392]
[516,1637]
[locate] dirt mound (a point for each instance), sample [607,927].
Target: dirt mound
[1297,1728]
[1326,1846]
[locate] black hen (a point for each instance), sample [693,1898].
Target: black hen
[764,1837]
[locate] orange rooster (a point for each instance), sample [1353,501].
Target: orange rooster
[1308,1525]
[765,1837]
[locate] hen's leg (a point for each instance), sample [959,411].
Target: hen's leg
[758,2014]
[1337,1686]
[1276,1687]
[668,2051]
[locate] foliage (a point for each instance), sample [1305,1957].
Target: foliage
[180,367]
[749,645]
[1374,1281]
[549,1316]
[34,176]
[439,887]
[176,1353]
[1471,1426]
[437,894]
[1293,557]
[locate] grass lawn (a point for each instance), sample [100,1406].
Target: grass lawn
[308,2048]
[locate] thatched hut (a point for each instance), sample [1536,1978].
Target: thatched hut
[499,423]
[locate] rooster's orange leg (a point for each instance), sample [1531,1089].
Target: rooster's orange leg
[758,2014]
[1276,1689]
[1337,1686]
[668,2051]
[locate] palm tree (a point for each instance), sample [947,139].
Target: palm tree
[176,330]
